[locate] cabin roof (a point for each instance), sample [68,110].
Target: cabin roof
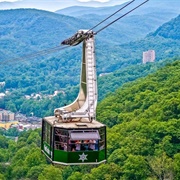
[81,124]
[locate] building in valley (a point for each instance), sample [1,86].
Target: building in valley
[149,56]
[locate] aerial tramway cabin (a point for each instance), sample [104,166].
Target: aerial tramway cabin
[74,143]
[73,136]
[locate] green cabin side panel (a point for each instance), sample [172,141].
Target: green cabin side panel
[79,157]
[102,155]
[60,156]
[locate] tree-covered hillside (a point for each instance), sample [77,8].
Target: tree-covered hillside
[156,94]
[145,120]
[166,43]
[143,136]
[109,83]
[169,29]
[25,31]
[44,76]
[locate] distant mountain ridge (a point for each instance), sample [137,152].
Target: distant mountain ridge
[85,10]
[53,6]
[152,6]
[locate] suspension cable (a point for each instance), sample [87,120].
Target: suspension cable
[112,14]
[121,17]
[32,55]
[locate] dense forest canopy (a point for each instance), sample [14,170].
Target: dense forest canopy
[143,136]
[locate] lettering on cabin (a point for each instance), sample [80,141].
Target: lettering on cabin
[47,150]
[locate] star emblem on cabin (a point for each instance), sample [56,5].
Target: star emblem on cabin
[83,157]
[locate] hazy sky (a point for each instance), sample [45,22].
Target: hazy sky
[53,5]
[93,0]
[7,0]
[66,0]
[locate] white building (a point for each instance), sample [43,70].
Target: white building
[6,115]
[149,56]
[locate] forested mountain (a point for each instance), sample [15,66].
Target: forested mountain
[143,136]
[142,115]
[169,30]
[44,76]
[25,31]
[28,30]
[166,43]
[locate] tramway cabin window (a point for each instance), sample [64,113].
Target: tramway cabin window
[46,132]
[60,139]
[79,140]
[102,138]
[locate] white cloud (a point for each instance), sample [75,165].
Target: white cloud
[8,0]
[93,0]
[78,0]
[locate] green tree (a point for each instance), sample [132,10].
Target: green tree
[51,172]
[34,137]
[75,176]
[34,158]
[162,166]
[18,159]
[118,156]
[4,142]
[19,172]
[2,177]
[135,168]
[4,155]
[12,132]
[35,171]
[176,164]
[2,131]
[11,106]
[12,147]
[104,171]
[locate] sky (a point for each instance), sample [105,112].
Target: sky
[93,0]
[67,0]
[53,5]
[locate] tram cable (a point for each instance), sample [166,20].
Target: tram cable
[112,14]
[121,17]
[33,55]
